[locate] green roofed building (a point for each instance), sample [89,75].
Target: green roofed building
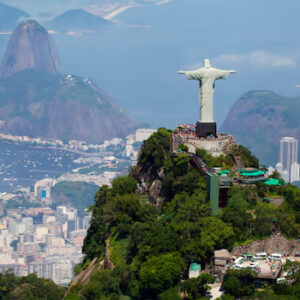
[273,181]
[252,175]
[223,172]
[194,270]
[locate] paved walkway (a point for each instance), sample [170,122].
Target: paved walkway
[215,291]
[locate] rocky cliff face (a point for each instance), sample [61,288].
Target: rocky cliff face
[37,101]
[30,47]
[274,244]
[259,119]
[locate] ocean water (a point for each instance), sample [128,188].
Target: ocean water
[21,165]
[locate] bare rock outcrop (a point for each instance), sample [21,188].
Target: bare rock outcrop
[106,263]
[142,187]
[274,244]
[155,193]
[150,182]
[30,47]
[84,276]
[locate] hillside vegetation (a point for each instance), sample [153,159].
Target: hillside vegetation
[149,248]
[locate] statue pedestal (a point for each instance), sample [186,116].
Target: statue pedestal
[206,129]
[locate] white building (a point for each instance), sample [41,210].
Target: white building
[86,222]
[270,171]
[288,166]
[113,142]
[6,259]
[40,233]
[143,134]
[28,223]
[53,240]
[42,188]
[62,270]
[194,270]
[5,240]
[15,228]
[295,172]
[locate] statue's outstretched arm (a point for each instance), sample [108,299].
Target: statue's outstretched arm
[192,74]
[223,74]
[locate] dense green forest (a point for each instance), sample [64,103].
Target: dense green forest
[152,246]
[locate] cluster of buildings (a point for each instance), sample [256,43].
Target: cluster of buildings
[131,143]
[109,164]
[26,139]
[48,241]
[81,146]
[42,241]
[267,266]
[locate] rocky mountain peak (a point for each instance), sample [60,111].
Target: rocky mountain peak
[30,47]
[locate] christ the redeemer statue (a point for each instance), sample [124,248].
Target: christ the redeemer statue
[207,77]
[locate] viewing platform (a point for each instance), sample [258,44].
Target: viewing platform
[186,134]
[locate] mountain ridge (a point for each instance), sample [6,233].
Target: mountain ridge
[60,106]
[38,101]
[260,118]
[76,20]
[10,16]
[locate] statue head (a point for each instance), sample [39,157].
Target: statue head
[207,63]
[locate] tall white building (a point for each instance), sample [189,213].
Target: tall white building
[288,166]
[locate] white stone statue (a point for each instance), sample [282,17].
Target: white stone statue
[207,77]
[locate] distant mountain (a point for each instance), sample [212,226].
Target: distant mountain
[44,8]
[30,47]
[39,102]
[77,20]
[10,17]
[258,119]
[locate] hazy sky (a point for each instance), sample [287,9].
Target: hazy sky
[136,60]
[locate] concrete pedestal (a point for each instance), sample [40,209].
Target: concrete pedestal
[206,129]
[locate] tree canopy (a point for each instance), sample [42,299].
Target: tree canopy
[152,247]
